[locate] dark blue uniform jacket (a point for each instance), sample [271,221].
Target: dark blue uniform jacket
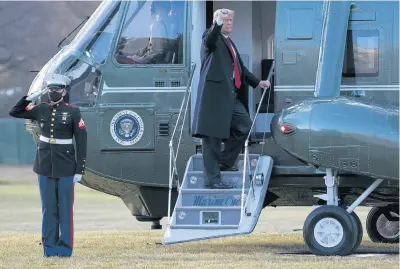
[61,121]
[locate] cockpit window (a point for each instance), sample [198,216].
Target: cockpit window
[101,43]
[152,33]
[85,87]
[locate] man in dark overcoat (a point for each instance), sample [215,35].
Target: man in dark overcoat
[221,111]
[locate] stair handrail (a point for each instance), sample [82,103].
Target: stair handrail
[246,149]
[172,158]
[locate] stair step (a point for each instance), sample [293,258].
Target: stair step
[196,162]
[197,179]
[211,197]
[208,208]
[202,227]
[214,191]
[201,216]
[202,213]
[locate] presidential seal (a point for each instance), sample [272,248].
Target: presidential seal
[126,127]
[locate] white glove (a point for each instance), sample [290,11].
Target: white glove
[34,96]
[77,178]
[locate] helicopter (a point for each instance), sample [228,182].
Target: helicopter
[134,71]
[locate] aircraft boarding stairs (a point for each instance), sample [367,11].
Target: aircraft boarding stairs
[204,213]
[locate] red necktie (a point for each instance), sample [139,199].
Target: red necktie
[235,65]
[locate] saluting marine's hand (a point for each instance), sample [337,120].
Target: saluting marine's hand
[77,178]
[35,95]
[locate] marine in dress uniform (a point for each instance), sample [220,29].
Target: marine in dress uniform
[55,162]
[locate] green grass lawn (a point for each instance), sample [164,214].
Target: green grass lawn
[107,236]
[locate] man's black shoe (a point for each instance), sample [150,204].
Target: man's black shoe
[223,167]
[219,185]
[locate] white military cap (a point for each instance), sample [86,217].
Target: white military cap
[58,81]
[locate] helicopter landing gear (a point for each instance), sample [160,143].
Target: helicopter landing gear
[156,221]
[383,224]
[156,225]
[360,231]
[332,229]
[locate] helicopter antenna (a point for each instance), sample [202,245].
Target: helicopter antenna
[59,44]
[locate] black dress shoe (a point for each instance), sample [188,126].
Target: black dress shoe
[219,185]
[223,167]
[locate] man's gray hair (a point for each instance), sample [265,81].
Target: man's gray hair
[230,12]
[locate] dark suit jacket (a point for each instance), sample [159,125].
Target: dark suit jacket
[216,90]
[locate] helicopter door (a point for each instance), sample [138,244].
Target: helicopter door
[266,111]
[265,106]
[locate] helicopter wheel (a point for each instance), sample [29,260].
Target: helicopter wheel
[360,231]
[383,225]
[330,230]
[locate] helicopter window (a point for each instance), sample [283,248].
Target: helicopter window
[361,58]
[152,33]
[100,45]
[85,88]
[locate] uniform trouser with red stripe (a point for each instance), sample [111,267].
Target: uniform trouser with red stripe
[57,195]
